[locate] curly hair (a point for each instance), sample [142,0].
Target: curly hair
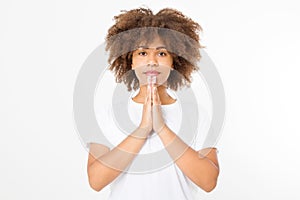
[179,33]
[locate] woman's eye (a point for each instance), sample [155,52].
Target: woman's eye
[162,53]
[142,53]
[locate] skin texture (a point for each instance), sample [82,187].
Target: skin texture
[104,165]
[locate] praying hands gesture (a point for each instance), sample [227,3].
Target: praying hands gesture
[152,116]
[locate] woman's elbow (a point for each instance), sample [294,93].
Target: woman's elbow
[210,182]
[95,185]
[210,186]
[95,181]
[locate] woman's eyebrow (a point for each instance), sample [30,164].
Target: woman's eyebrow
[146,47]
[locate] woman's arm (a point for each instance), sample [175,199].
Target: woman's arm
[201,167]
[105,165]
[202,170]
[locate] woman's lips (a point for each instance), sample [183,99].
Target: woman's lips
[152,73]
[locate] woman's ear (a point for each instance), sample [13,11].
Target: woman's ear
[172,66]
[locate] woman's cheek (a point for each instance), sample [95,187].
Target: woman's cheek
[163,77]
[140,76]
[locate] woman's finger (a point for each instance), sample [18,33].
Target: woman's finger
[147,95]
[156,100]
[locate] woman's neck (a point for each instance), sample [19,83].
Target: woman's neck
[164,97]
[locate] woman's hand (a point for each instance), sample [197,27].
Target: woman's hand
[158,121]
[146,122]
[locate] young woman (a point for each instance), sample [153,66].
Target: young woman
[150,60]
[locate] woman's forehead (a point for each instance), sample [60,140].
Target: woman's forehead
[155,43]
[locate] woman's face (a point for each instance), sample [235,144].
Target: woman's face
[152,61]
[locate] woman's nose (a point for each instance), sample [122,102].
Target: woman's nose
[152,61]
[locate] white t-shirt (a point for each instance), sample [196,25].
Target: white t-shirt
[145,179]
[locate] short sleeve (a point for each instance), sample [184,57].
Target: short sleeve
[203,138]
[97,133]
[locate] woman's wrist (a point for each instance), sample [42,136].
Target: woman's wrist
[141,132]
[161,129]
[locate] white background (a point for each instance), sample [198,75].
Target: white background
[254,44]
